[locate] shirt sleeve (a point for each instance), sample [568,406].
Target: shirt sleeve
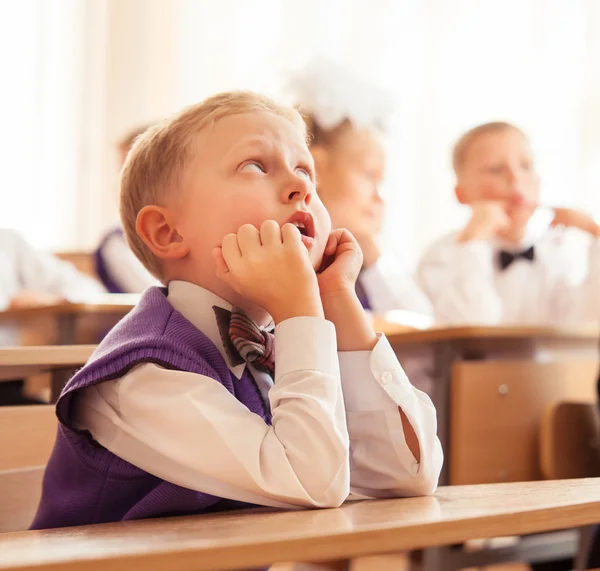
[124,268]
[389,288]
[587,299]
[381,463]
[40,271]
[188,429]
[459,281]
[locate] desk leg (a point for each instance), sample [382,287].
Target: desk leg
[436,558]
[67,329]
[444,356]
[59,380]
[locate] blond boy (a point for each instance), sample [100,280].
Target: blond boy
[514,261]
[185,407]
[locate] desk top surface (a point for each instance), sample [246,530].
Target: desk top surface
[398,333]
[259,537]
[46,355]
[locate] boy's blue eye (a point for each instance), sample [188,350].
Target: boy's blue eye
[304,173]
[253,167]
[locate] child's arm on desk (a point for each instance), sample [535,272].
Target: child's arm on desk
[392,427]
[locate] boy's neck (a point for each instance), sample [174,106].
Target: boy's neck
[221,289]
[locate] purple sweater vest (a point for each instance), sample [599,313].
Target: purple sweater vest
[84,483]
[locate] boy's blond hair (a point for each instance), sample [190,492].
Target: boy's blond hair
[161,155]
[464,144]
[125,143]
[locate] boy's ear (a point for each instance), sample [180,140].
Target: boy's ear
[460,196]
[154,225]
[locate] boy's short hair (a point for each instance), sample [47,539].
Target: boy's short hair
[464,144]
[160,156]
[125,143]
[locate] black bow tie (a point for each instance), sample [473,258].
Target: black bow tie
[507,258]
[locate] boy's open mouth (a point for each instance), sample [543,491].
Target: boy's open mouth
[304,222]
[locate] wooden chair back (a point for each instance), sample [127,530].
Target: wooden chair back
[83,261]
[496,411]
[20,492]
[570,441]
[27,435]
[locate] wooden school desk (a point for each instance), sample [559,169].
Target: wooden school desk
[491,386]
[61,361]
[66,323]
[261,537]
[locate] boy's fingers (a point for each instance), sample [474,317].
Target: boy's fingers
[248,239]
[270,233]
[231,250]
[290,234]
[331,246]
[343,236]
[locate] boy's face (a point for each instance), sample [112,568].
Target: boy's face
[250,167]
[499,166]
[349,182]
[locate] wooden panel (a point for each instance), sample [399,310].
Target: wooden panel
[496,412]
[20,492]
[27,435]
[83,261]
[258,538]
[570,441]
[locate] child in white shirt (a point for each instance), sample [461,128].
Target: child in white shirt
[186,406]
[346,117]
[515,262]
[29,277]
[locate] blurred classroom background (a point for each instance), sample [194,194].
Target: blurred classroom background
[78,74]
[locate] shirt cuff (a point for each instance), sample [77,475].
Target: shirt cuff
[306,343]
[374,380]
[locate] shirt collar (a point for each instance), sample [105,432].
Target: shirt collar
[537,225]
[195,303]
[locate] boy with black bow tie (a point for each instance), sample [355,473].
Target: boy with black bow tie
[515,261]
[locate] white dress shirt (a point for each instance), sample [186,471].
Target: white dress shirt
[388,287]
[123,266]
[466,284]
[22,267]
[335,428]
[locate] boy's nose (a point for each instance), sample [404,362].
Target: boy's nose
[298,190]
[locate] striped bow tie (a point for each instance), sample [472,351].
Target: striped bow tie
[244,340]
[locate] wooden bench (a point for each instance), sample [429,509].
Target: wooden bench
[27,435]
[256,538]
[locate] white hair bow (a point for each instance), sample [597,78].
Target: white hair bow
[332,93]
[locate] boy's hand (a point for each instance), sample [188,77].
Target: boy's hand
[575,219]
[342,261]
[270,268]
[488,219]
[370,249]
